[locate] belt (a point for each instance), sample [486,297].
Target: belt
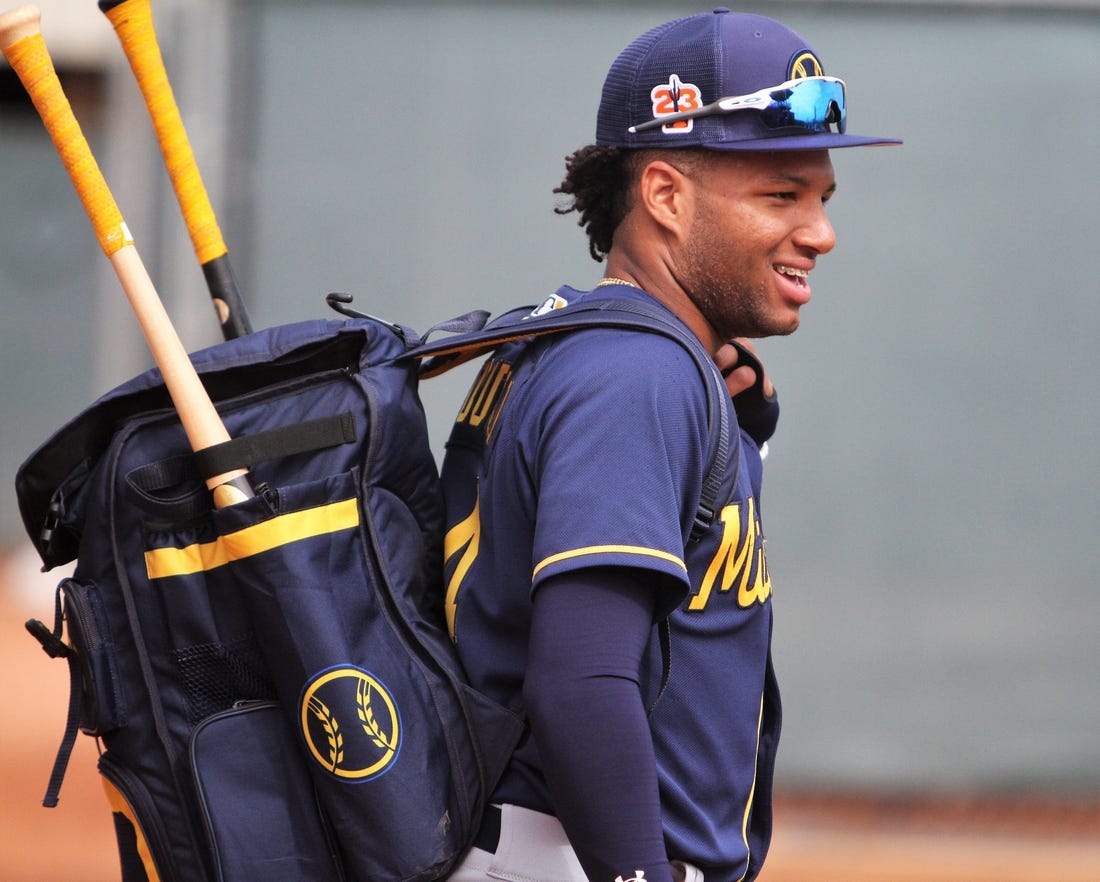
[488,835]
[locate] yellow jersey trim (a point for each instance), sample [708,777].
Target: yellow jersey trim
[161,563]
[609,549]
[752,791]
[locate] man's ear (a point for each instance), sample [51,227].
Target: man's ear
[667,195]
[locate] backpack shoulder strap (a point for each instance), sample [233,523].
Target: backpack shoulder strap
[442,355]
[439,357]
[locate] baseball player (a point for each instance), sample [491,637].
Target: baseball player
[575,468]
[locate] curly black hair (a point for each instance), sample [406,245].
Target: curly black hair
[597,182]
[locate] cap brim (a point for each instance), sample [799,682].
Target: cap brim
[817,141]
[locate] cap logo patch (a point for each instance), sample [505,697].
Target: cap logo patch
[674,97]
[805,64]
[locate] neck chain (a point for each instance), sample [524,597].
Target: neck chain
[611,280]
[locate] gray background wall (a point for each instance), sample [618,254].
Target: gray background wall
[933,491]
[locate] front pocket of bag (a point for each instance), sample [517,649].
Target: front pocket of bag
[103,707]
[257,801]
[371,715]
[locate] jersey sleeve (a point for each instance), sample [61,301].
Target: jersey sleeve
[616,443]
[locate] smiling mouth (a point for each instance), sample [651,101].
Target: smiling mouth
[798,276]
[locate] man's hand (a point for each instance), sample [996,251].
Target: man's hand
[742,368]
[750,387]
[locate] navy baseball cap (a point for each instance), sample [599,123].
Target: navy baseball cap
[725,81]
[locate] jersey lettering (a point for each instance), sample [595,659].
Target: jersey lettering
[464,537]
[487,395]
[674,97]
[740,560]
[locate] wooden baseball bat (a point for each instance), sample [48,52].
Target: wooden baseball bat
[23,45]
[133,23]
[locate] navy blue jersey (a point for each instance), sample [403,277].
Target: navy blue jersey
[589,449]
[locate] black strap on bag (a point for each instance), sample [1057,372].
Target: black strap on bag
[55,647]
[247,450]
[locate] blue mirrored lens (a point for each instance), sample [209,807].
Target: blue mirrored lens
[809,104]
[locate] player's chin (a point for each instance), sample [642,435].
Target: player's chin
[783,323]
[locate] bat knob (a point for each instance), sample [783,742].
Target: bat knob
[236,489]
[19,23]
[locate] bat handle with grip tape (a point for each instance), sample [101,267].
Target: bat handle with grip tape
[133,24]
[23,45]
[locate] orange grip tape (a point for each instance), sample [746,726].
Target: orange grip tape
[31,61]
[133,23]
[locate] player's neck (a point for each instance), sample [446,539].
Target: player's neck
[660,284]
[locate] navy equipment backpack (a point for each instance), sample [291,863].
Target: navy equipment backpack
[272,683]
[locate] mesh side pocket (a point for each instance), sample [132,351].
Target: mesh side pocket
[216,676]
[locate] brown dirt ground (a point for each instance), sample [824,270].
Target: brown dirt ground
[820,837]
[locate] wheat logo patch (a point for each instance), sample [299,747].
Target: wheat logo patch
[805,64]
[350,723]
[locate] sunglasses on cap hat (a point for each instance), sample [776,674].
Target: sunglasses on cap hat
[812,103]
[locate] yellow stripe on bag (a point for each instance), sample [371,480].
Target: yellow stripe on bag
[119,805]
[282,530]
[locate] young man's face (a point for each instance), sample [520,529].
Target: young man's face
[758,226]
